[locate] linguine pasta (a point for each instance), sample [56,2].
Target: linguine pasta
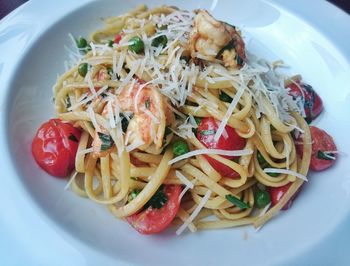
[132,106]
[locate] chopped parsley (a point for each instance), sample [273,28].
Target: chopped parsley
[107,141]
[225,97]
[124,121]
[237,202]
[158,200]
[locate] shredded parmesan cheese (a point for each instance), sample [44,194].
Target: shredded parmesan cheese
[91,114]
[137,143]
[194,213]
[210,151]
[285,171]
[184,179]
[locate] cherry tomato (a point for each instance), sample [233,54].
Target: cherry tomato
[276,193]
[152,220]
[229,140]
[313,105]
[117,38]
[321,143]
[54,147]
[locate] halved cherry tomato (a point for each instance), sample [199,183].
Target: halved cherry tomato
[323,146]
[117,38]
[321,143]
[313,105]
[276,193]
[152,220]
[54,147]
[229,140]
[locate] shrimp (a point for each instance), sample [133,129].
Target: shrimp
[216,40]
[150,117]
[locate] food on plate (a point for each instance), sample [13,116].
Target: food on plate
[165,118]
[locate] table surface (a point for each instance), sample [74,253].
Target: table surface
[6,6]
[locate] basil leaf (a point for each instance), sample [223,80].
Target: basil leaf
[325,156]
[225,97]
[237,202]
[73,138]
[107,141]
[124,121]
[158,200]
[207,132]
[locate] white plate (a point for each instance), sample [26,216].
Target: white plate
[43,224]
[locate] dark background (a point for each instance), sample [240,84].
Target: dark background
[6,6]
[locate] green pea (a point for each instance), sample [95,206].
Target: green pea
[81,42]
[83,69]
[262,198]
[160,41]
[180,147]
[225,97]
[136,45]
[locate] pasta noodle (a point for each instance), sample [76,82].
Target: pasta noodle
[136,96]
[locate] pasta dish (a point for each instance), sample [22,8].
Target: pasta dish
[165,118]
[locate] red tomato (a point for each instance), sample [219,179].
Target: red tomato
[229,140]
[321,142]
[313,105]
[276,193]
[152,220]
[117,38]
[54,147]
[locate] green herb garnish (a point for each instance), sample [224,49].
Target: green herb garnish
[107,141]
[237,202]
[73,138]
[262,198]
[110,43]
[264,164]
[124,121]
[325,156]
[225,97]
[158,200]
[160,41]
